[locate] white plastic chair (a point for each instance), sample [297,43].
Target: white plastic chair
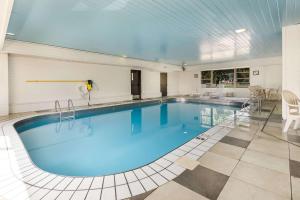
[293,109]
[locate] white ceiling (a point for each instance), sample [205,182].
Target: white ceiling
[169,31]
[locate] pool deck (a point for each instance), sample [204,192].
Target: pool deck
[234,161]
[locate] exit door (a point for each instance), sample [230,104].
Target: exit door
[164,84]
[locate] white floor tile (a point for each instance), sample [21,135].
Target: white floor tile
[33,175]
[52,195]
[120,179]
[108,194]
[208,144]
[156,167]
[191,144]
[197,152]
[65,195]
[123,192]
[45,181]
[148,170]
[158,179]
[79,195]
[174,191]
[171,157]
[39,194]
[74,184]
[136,188]
[267,161]
[236,190]
[219,163]
[167,174]
[97,183]
[39,178]
[203,148]
[109,181]
[140,174]
[130,176]
[93,195]
[85,184]
[64,183]
[185,148]
[192,156]
[176,169]
[178,152]
[148,184]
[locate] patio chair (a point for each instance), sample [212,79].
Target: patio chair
[293,113]
[256,96]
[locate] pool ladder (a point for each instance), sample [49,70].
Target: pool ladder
[252,105]
[71,109]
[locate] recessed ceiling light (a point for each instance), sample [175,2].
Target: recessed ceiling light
[240,30]
[10,34]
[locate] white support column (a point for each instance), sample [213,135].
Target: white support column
[290,61]
[4,93]
[5,12]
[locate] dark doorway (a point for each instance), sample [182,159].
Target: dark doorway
[164,84]
[136,84]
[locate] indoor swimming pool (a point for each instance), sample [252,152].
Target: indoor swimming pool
[112,140]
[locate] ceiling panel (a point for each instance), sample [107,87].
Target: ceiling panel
[170,31]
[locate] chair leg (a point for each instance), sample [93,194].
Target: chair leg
[297,123]
[287,125]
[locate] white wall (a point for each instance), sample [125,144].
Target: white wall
[111,74]
[188,84]
[29,61]
[112,83]
[65,54]
[173,83]
[150,84]
[3,84]
[291,61]
[269,76]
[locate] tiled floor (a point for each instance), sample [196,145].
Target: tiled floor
[241,167]
[245,164]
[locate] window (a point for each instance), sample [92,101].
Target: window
[205,77]
[224,77]
[242,77]
[229,78]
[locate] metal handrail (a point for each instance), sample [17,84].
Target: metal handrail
[267,120]
[71,107]
[58,109]
[250,101]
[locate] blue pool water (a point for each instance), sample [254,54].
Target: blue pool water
[118,141]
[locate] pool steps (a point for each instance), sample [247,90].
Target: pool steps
[71,109]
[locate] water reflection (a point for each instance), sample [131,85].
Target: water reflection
[213,116]
[164,114]
[136,121]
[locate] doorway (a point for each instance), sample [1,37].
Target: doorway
[164,84]
[136,84]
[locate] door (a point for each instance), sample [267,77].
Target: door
[164,84]
[136,84]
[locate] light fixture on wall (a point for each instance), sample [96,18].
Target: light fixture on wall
[241,30]
[183,66]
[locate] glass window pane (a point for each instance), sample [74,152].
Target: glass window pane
[225,77]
